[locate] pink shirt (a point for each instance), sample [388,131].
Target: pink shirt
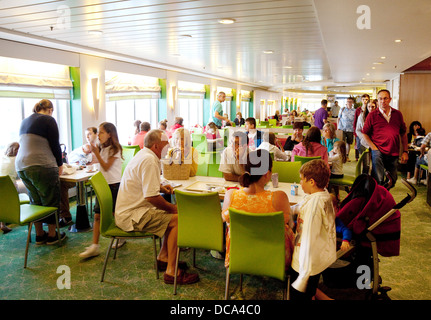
[318,150]
[138,140]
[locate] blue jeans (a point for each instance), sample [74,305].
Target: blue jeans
[381,163]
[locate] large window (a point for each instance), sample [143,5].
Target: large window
[14,110]
[191,109]
[245,108]
[123,114]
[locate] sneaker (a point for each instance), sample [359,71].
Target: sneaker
[216,254]
[91,251]
[54,240]
[64,222]
[182,278]
[121,243]
[412,181]
[42,239]
[424,182]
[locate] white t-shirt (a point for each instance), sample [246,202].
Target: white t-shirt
[113,175]
[337,163]
[315,238]
[229,164]
[141,179]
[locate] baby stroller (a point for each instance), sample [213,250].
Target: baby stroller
[373,216]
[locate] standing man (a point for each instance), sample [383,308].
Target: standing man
[335,109]
[321,115]
[216,114]
[345,123]
[382,131]
[140,207]
[365,99]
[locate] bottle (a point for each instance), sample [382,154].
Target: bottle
[294,189]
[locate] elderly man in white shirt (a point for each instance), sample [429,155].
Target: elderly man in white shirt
[140,207]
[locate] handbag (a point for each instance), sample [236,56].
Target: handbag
[175,169]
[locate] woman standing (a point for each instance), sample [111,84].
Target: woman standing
[39,165]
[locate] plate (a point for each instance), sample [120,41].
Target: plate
[90,171]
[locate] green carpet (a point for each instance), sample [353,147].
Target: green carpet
[132,277]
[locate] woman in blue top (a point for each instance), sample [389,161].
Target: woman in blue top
[328,136]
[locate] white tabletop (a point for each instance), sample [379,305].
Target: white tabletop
[78,176]
[283,186]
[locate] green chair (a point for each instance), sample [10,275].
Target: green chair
[306,127]
[128,154]
[136,148]
[203,164]
[305,159]
[257,243]
[423,167]
[200,225]
[272,122]
[199,141]
[287,171]
[264,123]
[12,211]
[108,229]
[347,181]
[287,126]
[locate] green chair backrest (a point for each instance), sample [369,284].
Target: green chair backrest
[305,159]
[128,154]
[306,127]
[257,243]
[199,220]
[358,169]
[214,164]
[287,126]
[9,201]
[104,196]
[199,141]
[136,148]
[203,164]
[272,122]
[264,123]
[287,171]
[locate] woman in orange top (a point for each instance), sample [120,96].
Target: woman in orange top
[252,197]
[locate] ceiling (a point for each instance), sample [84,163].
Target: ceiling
[316,45]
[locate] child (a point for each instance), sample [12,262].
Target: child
[110,158]
[315,238]
[274,147]
[337,156]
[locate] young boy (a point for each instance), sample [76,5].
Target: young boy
[315,239]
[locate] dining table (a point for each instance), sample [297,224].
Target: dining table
[204,184]
[79,177]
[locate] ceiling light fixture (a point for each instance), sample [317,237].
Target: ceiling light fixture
[268,51]
[383,58]
[96,32]
[287,67]
[398,40]
[226,21]
[377,62]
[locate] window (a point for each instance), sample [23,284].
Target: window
[245,108]
[191,110]
[226,106]
[123,114]
[14,110]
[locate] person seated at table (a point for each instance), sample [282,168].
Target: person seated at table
[329,138]
[311,146]
[110,156]
[297,137]
[234,156]
[82,156]
[140,207]
[178,124]
[252,197]
[273,146]
[255,137]
[211,131]
[411,135]
[421,159]
[137,126]
[163,125]
[290,120]
[183,150]
[138,139]
[239,120]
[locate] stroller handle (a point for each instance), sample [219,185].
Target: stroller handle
[409,198]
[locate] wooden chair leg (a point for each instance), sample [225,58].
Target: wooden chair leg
[226,292]
[28,241]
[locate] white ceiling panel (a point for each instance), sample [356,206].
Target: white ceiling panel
[313,42]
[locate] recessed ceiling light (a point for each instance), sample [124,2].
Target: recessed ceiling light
[96,32]
[398,40]
[368,74]
[268,51]
[287,67]
[226,21]
[377,62]
[373,68]
[382,58]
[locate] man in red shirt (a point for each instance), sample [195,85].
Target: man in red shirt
[382,131]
